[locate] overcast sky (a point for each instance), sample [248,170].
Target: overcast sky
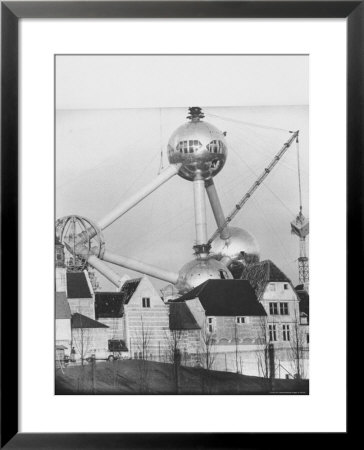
[111,129]
[108,82]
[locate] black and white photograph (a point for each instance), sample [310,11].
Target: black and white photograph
[181,254]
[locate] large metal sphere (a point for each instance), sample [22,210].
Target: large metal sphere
[241,246]
[81,238]
[198,271]
[200,148]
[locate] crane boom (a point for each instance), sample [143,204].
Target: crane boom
[255,185]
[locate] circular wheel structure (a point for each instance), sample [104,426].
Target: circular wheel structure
[81,238]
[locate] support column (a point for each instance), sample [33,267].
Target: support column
[217,208]
[200,210]
[105,270]
[138,266]
[125,206]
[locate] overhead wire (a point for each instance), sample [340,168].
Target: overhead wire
[284,252]
[251,124]
[264,183]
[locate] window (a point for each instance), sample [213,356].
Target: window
[273,309]
[285,286]
[272,333]
[215,146]
[272,286]
[283,307]
[189,146]
[146,302]
[240,319]
[286,333]
[210,324]
[308,338]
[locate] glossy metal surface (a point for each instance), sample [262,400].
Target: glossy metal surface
[126,205]
[200,211]
[241,246]
[198,153]
[141,267]
[198,271]
[217,208]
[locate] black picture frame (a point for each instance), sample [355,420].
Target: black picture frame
[11,13]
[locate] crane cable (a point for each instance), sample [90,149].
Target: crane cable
[251,124]
[255,186]
[160,140]
[299,172]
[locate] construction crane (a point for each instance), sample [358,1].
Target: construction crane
[301,228]
[255,186]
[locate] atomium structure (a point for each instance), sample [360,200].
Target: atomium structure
[197,152]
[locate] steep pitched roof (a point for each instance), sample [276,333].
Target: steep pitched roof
[226,298]
[80,321]
[63,310]
[181,318]
[260,274]
[109,304]
[77,286]
[129,288]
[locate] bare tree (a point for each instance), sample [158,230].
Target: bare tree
[297,347]
[238,359]
[174,339]
[207,354]
[142,342]
[81,339]
[262,353]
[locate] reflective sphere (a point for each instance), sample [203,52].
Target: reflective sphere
[199,147]
[241,246]
[198,271]
[81,238]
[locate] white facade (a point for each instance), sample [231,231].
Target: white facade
[147,322]
[63,334]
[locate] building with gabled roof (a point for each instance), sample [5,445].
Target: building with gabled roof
[232,312]
[109,305]
[286,323]
[77,285]
[181,317]
[89,337]
[80,294]
[136,314]
[232,323]
[262,273]
[80,321]
[63,322]
[226,298]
